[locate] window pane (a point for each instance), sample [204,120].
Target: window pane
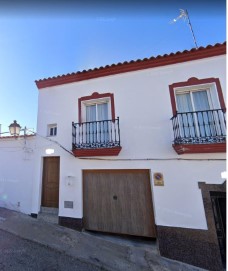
[184,103]
[102,111]
[90,128]
[186,121]
[200,100]
[204,119]
[91,113]
[98,131]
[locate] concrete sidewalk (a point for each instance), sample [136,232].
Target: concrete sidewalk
[94,249]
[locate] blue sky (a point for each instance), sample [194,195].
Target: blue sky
[41,39]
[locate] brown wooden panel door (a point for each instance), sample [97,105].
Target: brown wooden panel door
[50,187]
[118,201]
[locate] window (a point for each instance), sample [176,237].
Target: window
[97,132]
[94,99]
[196,117]
[211,84]
[198,112]
[97,122]
[97,111]
[97,116]
[52,129]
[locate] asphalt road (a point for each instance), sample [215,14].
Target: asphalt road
[17,254]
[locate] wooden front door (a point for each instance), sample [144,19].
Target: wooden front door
[50,188]
[118,201]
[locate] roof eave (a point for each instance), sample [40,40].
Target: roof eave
[179,57]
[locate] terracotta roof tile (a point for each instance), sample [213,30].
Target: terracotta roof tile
[133,65]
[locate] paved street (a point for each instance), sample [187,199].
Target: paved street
[32,244]
[17,254]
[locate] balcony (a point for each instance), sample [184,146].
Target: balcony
[96,138]
[200,131]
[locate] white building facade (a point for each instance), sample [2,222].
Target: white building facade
[138,148]
[17,167]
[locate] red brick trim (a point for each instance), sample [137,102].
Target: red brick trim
[192,82]
[97,152]
[173,58]
[94,96]
[199,148]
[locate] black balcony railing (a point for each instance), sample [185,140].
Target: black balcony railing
[96,134]
[207,126]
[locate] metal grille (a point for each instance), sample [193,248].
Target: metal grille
[96,134]
[208,126]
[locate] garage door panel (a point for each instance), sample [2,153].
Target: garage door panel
[118,201]
[96,202]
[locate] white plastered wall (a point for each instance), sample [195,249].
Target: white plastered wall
[143,104]
[177,203]
[17,173]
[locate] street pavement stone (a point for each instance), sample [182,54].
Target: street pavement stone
[17,254]
[88,248]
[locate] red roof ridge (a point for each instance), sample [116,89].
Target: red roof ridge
[133,65]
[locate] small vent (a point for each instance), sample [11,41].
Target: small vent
[68,204]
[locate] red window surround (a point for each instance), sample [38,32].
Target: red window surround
[192,82]
[94,96]
[198,148]
[99,151]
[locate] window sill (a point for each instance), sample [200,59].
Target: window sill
[199,148]
[97,152]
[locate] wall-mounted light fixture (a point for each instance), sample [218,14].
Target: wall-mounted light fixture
[15,128]
[49,151]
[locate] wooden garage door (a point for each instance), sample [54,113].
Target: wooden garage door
[118,201]
[50,186]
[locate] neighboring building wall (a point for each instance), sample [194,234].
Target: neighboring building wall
[17,173]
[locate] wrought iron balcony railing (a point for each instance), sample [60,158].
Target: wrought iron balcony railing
[96,134]
[199,127]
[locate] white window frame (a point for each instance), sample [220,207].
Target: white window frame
[52,127]
[95,102]
[212,94]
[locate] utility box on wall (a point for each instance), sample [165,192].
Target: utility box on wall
[69,204]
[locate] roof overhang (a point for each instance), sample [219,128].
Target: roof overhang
[146,63]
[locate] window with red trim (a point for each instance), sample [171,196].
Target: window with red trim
[97,132]
[198,116]
[96,107]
